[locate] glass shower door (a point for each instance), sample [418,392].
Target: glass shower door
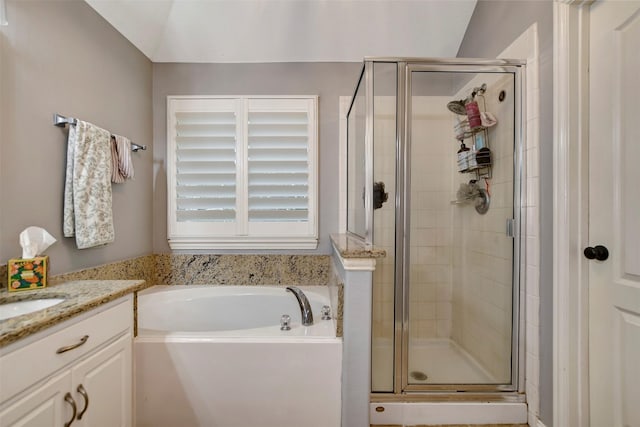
[384,224]
[356,162]
[371,201]
[434,177]
[459,261]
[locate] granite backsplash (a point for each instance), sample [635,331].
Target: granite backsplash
[174,269]
[284,270]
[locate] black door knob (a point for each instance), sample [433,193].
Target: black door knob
[598,252]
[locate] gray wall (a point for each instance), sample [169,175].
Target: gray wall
[328,80]
[493,26]
[61,56]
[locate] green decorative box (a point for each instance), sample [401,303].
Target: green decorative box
[25,274]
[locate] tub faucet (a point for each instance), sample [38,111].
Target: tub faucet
[305,307]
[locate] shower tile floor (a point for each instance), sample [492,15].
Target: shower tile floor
[441,360]
[444,362]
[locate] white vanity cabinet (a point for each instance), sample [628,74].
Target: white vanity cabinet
[65,379]
[44,405]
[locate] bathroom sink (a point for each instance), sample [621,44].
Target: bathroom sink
[18,308]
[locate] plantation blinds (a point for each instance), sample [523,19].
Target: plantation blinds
[242,172]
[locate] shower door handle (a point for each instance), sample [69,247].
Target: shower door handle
[511,227]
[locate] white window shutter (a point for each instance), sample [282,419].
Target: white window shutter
[281,166]
[242,172]
[278,164]
[205,166]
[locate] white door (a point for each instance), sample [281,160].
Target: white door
[614,214]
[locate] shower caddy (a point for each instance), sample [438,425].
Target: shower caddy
[478,159]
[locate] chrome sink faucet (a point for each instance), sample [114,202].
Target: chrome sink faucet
[305,307]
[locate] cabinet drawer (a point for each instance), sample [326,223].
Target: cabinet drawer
[34,362]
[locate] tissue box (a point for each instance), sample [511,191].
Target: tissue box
[25,274]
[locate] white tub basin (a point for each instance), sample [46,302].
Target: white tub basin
[218,355]
[18,308]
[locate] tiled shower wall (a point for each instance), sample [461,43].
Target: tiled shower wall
[482,260]
[432,166]
[526,46]
[384,148]
[433,147]
[461,261]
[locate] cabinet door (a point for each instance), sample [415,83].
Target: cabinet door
[102,386]
[43,406]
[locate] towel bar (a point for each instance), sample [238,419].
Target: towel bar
[60,121]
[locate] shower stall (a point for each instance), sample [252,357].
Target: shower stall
[434,174]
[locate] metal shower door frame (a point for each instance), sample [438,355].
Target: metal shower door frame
[406,66]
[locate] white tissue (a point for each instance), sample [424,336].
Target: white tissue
[34,241]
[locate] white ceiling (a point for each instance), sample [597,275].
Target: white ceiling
[288,30]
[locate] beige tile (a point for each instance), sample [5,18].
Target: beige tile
[452,425]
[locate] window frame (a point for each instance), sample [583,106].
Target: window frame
[241,233]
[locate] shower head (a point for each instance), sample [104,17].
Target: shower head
[457,107]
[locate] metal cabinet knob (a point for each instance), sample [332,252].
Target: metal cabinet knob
[598,252]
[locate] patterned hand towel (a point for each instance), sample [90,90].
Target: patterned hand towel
[122,165]
[88,213]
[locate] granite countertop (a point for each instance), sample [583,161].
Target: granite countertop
[349,246]
[80,296]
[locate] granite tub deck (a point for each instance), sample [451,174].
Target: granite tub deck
[79,297]
[348,246]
